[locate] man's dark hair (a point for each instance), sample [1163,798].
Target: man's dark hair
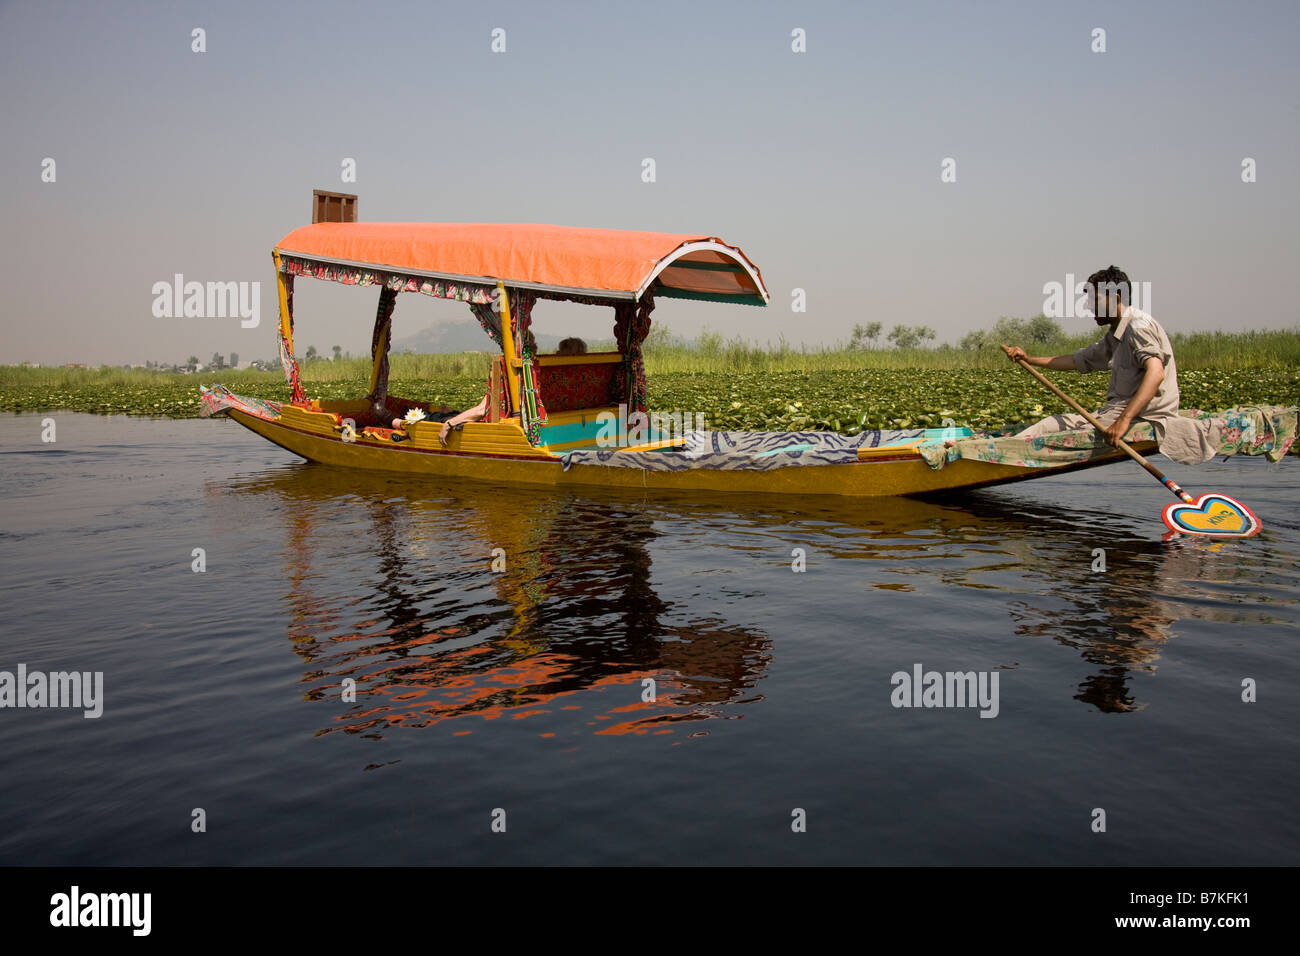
[1111,278]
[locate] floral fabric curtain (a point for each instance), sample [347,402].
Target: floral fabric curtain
[490,319]
[379,343]
[631,326]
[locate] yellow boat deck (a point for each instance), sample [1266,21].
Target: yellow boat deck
[501,452]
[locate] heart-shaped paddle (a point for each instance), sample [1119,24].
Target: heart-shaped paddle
[1214,515]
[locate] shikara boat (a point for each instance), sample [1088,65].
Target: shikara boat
[573,420]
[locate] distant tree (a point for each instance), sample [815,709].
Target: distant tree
[234,360]
[974,341]
[865,336]
[338,352]
[193,362]
[709,343]
[659,337]
[311,353]
[216,360]
[1042,329]
[909,337]
[1012,331]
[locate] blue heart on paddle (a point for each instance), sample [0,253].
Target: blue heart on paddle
[1213,515]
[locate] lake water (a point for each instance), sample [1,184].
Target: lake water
[519,696]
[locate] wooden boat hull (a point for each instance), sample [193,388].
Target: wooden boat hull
[509,462]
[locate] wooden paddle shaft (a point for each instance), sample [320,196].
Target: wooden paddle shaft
[1167,482]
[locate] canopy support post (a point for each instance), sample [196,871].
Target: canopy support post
[284,287]
[508,346]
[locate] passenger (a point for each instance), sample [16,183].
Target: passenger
[419,412]
[480,410]
[571,347]
[445,414]
[1143,375]
[460,418]
[453,419]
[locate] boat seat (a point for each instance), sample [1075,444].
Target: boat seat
[572,383]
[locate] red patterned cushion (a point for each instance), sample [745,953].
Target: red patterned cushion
[565,388]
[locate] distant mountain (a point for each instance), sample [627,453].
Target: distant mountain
[464,336]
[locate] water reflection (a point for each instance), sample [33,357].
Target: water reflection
[1106,587]
[500,603]
[1111,594]
[393,598]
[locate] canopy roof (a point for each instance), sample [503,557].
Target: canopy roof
[608,263]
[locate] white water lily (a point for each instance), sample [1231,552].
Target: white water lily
[415,415]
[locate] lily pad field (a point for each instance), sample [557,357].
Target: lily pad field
[840,400]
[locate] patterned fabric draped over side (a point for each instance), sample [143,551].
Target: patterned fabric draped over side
[745,451]
[287,361]
[490,319]
[218,399]
[379,342]
[533,412]
[1245,430]
[631,326]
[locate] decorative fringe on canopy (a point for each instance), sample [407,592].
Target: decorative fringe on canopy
[398,282]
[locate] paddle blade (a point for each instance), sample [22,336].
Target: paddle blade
[1212,515]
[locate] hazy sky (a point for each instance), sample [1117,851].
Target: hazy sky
[823,166]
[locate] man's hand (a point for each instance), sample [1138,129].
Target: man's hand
[1117,431]
[1059,363]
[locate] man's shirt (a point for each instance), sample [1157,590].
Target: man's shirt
[1126,349]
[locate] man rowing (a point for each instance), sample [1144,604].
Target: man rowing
[1143,374]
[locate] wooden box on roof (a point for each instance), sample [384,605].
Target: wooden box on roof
[333,207]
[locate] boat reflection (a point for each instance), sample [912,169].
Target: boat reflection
[402,621]
[493,604]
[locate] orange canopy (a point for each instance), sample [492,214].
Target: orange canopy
[610,263]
